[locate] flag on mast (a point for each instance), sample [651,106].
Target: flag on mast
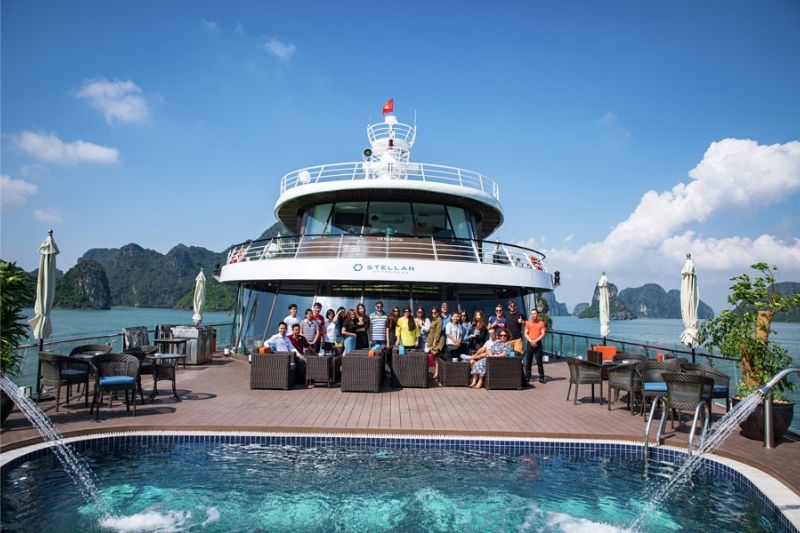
[388,107]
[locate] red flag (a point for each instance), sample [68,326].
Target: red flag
[388,107]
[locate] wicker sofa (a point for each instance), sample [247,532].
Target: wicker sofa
[410,369]
[503,373]
[272,371]
[361,373]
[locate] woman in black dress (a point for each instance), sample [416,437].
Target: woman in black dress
[362,328]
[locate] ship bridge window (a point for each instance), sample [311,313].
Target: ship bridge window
[458,219]
[389,218]
[430,219]
[317,218]
[348,218]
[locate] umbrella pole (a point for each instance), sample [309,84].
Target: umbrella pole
[693,357]
[35,395]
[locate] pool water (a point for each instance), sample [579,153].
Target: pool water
[256,487]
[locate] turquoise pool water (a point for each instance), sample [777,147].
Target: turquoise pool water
[164,485]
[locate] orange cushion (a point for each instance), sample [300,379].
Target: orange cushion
[608,351]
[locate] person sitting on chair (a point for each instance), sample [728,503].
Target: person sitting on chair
[280,342]
[493,348]
[291,343]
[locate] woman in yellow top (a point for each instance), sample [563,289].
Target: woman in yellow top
[407,331]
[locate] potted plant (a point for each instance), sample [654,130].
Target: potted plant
[743,333]
[15,292]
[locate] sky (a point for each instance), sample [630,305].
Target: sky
[623,135]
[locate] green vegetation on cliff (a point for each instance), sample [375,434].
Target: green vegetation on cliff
[84,286]
[617,309]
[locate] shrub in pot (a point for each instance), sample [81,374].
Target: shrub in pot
[15,292]
[743,333]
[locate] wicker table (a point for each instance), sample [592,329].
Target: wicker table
[454,373]
[323,369]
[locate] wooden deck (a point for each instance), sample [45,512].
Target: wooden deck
[218,397]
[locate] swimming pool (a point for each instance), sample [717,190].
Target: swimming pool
[228,482]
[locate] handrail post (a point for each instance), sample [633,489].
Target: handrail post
[769,432]
[433,245]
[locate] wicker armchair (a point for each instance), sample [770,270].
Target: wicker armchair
[503,373]
[650,372]
[624,378]
[105,348]
[145,365]
[684,392]
[625,356]
[62,371]
[115,372]
[323,369]
[410,370]
[584,373]
[135,336]
[361,373]
[722,381]
[272,371]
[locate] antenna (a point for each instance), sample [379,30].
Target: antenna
[415,119]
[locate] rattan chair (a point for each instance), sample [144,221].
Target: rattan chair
[323,369]
[650,373]
[722,381]
[105,348]
[361,373]
[134,337]
[684,392]
[625,356]
[272,371]
[62,371]
[115,372]
[624,377]
[584,373]
[503,373]
[145,365]
[454,374]
[410,369]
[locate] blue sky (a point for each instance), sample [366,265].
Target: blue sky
[119,119]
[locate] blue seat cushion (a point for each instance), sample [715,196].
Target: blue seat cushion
[720,389]
[657,386]
[71,372]
[116,380]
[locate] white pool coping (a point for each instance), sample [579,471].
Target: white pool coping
[776,491]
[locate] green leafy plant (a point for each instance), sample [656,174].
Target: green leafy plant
[15,292]
[744,332]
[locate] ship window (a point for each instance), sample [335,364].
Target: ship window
[348,218]
[460,223]
[389,218]
[317,219]
[429,219]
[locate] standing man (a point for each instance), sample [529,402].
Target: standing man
[291,319]
[455,334]
[497,323]
[310,329]
[317,315]
[534,333]
[445,316]
[515,321]
[377,325]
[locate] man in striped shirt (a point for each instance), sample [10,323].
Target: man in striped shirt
[310,329]
[377,321]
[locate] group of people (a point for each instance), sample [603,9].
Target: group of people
[443,335]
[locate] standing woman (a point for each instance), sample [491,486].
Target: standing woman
[349,331]
[435,340]
[407,331]
[391,326]
[424,325]
[362,331]
[329,337]
[479,334]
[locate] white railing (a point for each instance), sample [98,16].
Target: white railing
[388,247]
[376,170]
[382,130]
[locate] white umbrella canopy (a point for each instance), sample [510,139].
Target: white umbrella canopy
[603,300]
[199,297]
[41,324]
[690,299]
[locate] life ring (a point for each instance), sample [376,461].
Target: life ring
[239,255]
[537,263]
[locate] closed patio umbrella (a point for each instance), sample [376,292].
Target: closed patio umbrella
[603,300]
[690,299]
[199,297]
[41,324]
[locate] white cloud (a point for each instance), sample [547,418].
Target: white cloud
[48,147]
[14,193]
[210,25]
[118,100]
[613,133]
[48,215]
[282,51]
[655,237]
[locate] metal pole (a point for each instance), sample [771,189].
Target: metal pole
[693,356]
[769,435]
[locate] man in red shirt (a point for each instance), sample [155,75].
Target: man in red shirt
[297,339]
[534,333]
[317,315]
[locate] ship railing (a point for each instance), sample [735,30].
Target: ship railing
[567,344]
[428,248]
[62,346]
[379,170]
[382,130]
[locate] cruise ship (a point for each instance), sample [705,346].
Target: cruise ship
[382,228]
